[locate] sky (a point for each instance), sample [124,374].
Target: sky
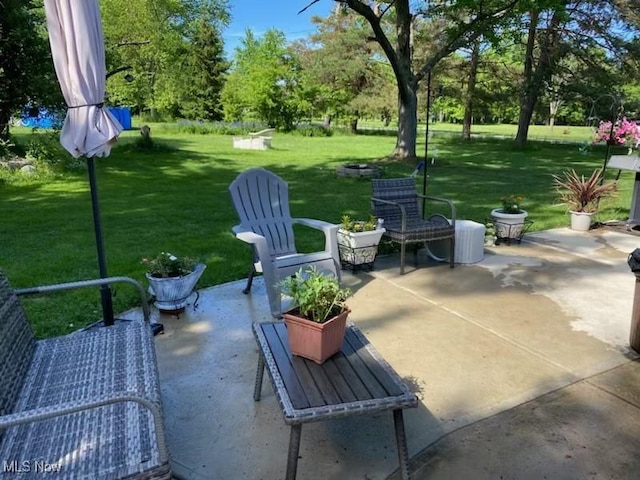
[261,15]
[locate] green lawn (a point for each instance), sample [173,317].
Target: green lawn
[177,201]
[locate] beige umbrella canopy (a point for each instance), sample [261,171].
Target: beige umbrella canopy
[77,47]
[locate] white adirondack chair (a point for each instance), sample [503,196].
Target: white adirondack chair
[261,199]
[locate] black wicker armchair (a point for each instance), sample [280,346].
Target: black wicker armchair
[397,202]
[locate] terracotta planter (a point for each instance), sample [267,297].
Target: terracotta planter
[581,221]
[313,340]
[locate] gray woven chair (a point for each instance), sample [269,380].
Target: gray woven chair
[397,202]
[85,404]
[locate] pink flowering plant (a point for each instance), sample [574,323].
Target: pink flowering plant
[624,132]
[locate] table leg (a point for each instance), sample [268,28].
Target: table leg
[401,439]
[259,374]
[294,450]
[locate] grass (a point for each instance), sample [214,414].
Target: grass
[177,200]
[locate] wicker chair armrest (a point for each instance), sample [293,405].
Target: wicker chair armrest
[452,206]
[91,283]
[45,413]
[401,207]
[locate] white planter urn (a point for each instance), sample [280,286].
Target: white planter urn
[171,293]
[508,225]
[359,248]
[581,221]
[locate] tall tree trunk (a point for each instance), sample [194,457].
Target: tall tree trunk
[526,99]
[471,89]
[407,87]
[538,76]
[5,117]
[407,125]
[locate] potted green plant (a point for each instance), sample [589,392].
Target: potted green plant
[172,280]
[582,195]
[358,241]
[316,323]
[509,220]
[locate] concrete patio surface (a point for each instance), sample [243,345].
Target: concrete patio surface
[521,364]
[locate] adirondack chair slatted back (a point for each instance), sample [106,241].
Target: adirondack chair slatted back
[17,344]
[261,199]
[399,190]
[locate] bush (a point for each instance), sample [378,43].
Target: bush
[45,151]
[311,130]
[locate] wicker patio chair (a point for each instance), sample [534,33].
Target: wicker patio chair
[397,202]
[261,199]
[80,406]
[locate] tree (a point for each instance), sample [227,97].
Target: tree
[154,38]
[459,22]
[471,89]
[27,77]
[356,84]
[204,73]
[264,81]
[560,29]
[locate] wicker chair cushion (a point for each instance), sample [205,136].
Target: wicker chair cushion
[16,347]
[419,230]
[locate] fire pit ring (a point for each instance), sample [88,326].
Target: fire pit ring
[358,170]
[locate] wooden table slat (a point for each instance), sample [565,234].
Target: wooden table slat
[320,376]
[351,377]
[374,366]
[362,370]
[282,356]
[339,381]
[314,396]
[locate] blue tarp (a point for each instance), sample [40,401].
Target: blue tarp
[123,115]
[46,119]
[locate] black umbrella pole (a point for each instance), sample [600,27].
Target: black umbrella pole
[105,291]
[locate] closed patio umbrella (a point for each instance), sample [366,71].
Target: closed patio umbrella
[77,47]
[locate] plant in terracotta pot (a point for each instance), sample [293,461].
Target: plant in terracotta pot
[172,280]
[358,241]
[316,323]
[509,220]
[582,195]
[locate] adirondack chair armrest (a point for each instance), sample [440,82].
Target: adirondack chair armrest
[330,231]
[452,206]
[91,283]
[258,241]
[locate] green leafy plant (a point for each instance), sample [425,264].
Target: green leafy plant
[582,194]
[350,225]
[511,203]
[316,296]
[167,265]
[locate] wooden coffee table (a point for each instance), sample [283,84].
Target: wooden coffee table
[355,381]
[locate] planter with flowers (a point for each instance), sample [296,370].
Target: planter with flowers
[510,221]
[316,324]
[172,280]
[358,241]
[582,195]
